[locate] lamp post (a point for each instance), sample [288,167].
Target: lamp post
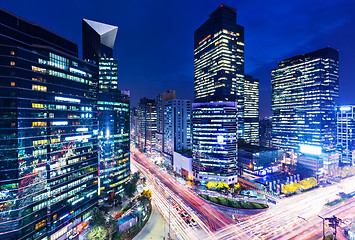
[139,209]
[169,217]
[323,226]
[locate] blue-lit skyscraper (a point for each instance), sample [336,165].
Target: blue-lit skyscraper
[177,127]
[214,141]
[304,91]
[346,133]
[251,109]
[48,154]
[113,107]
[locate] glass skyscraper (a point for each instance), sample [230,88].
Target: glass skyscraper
[304,91]
[147,124]
[346,133]
[219,61]
[214,142]
[251,111]
[177,127]
[48,160]
[113,108]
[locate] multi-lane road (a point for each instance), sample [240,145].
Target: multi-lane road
[293,218]
[208,214]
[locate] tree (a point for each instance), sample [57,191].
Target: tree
[130,188]
[145,197]
[98,233]
[111,226]
[211,185]
[97,219]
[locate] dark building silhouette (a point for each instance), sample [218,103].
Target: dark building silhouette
[98,40]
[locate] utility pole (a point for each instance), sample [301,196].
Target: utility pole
[323,227]
[334,223]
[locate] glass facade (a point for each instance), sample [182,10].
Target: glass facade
[304,91]
[346,133]
[48,160]
[161,98]
[113,108]
[251,111]
[177,126]
[219,61]
[214,141]
[114,144]
[147,124]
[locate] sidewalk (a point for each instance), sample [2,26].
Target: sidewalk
[154,228]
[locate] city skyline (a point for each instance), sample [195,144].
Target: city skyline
[315,27]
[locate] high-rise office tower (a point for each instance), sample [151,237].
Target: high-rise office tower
[214,141]
[304,91]
[177,127]
[48,163]
[161,98]
[346,133]
[147,124]
[113,107]
[219,61]
[251,110]
[218,112]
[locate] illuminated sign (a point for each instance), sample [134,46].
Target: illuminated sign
[220,139]
[60,123]
[65,99]
[81,137]
[74,70]
[82,129]
[345,108]
[313,150]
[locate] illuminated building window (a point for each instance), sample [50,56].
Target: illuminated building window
[12,63]
[12,53]
[13,84]
[39,124]
[39,88]
[38,105]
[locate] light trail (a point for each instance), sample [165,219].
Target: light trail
[284,221]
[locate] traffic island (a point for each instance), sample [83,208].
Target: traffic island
[234,203]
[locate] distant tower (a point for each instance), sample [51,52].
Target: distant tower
[251,111]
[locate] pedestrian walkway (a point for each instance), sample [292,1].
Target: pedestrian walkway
[154,228]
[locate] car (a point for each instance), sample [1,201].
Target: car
[193,222]
[177,209]
[185,214]
[347,222]
[182,215]
[73,236]
[187,221]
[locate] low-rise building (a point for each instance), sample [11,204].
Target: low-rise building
[182,164]
[255,159]
[126,222]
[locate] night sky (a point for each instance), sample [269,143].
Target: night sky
[155,38]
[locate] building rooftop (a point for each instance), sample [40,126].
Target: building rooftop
[125,219]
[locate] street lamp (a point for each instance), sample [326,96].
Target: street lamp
[139,209]
[169,198]
[323,226]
